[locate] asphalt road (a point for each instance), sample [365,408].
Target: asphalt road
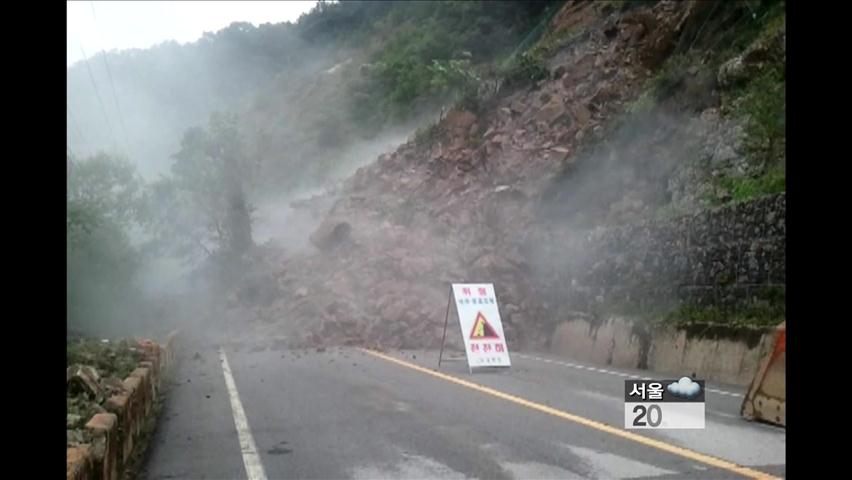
[344,413]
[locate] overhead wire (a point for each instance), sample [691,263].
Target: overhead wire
[111,83]
[73,123]
[98,95]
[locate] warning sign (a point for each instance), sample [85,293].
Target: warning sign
[481,327]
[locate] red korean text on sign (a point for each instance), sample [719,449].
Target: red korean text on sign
[486,347]
[474,347]
[498,347]
[466,291]
[482,292]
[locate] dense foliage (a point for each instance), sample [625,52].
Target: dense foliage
[201,208]
[396,61]
[104,202]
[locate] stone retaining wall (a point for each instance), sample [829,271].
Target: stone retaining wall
[116,432]
[727,257]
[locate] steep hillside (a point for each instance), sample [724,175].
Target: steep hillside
[178,85]
[620,113]
[344,83]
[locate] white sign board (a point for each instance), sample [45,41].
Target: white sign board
[481,327]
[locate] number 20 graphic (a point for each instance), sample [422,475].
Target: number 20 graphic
[642,411]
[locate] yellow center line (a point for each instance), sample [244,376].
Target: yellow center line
[666,447]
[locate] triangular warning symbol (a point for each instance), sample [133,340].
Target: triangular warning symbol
[482,329]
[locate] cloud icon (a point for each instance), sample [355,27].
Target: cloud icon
[684,387]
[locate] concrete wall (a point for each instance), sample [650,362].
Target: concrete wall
[617,342]
[605,284]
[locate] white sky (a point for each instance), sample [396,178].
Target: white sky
[120,25]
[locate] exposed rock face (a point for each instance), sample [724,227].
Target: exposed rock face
[331,234]
[469,205]
[769,50]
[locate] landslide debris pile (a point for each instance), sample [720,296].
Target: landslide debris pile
[96,370]
[465,201]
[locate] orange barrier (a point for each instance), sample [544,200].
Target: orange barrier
[767,396]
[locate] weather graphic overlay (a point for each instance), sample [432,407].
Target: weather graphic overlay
[664,404]
[684,388]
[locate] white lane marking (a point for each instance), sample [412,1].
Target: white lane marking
[254,469]
[722,392]
[610,372]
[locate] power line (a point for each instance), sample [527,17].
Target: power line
[111,83]
[707,19]
[731,29]
[117,107]
[98,95]
[71,160]
[73,124]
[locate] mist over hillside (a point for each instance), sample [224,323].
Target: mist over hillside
[304,104]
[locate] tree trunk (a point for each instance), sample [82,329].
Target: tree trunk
[239,223]
[238,217]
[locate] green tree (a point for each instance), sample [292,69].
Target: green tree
[106,186]
[202,207]
[104,202]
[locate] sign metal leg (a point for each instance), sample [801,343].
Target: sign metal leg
[446,321]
